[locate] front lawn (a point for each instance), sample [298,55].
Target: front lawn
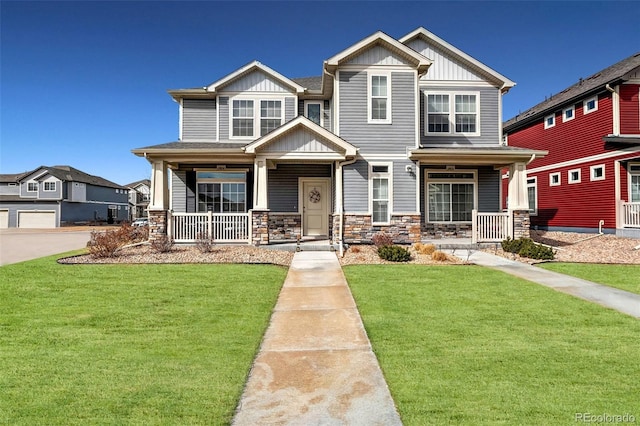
[471,345]
[129,344]
[624,277]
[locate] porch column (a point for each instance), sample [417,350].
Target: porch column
[159,186]
[260,184]
[518,197]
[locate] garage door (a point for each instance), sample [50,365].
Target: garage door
[37,219]
[4,218]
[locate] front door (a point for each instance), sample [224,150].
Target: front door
[315,199]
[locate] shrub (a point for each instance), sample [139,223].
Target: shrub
[427,249]
[105,244]
[204,243]
[394,253]
[439,256]
[381,239]
[526,247]
[162,244]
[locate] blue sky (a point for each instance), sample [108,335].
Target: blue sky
[83,83]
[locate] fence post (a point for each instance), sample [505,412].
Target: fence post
[169,225]
[210,225]
[510,225]
[474,226]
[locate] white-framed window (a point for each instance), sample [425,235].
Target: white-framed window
[590,105]
[313,111]
[549,121]
[452,113]
[634,183]
[221,192]
[451,196]
[270,116]
[242,118]
[32,186]
[252,118]
[573,176]
[380,188]
[554,179]
[379,100]
[568,114]
[532,195]
[50,186]
[597,172]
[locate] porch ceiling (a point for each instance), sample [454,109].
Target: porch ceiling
[498,157]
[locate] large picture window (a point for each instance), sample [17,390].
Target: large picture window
[450,196]
[221,192]
[455,113]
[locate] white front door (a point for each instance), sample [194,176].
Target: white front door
[315,197]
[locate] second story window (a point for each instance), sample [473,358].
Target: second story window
[549,121]
[568,114]
[590,105]
[270,116]
[32,186]
[49,186]
[452,114]
[252,118]
[379,98]
[313,111]
[243,118]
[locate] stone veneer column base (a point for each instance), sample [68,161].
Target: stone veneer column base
[403,229]
[285,226]
[157,224]
[260,227]
[521,224]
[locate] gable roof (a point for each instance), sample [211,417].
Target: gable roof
[138,183]
[422,63]
[596,83]
[70,174]
[473,63]
[249,68]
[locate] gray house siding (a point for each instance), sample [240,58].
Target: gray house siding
[82,212]
[14,207]
[356,187]
[377,138]
[488,190]
[106,195]
[50,195]
[283,184]
[404,187]
[7,189]
[289,109]
[179,191]
[199,119]
[224,117]
[489,119]
[327,124]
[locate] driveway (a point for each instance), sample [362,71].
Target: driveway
[18,245]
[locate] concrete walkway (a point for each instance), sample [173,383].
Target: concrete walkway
[315,365]
[620,300]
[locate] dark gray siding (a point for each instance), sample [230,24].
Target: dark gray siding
[283,184]
[356,187]
[85,212]
[199,119]
[404,187]
[489,119]
[224,117]
[488,190]
[13,208]
[377,138]
[107,195]
[50,195]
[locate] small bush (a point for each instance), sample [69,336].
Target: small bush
[162,244]
[427,249]
[439,256]
[204,243]
[105,244]
[526,247]
[381,239]
[394,253]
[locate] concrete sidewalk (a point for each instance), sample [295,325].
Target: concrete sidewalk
[315,365]
[620,300]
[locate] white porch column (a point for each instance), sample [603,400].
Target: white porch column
[518,197]
[261,181]
[159,186]
[338,204]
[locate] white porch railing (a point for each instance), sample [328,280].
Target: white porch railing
[222,227]
[491,227]
[631,215]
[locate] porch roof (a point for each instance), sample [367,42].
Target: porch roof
[498,157]
[195,152]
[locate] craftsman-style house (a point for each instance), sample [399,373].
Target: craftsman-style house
[400,136]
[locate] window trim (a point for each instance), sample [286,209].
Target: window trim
[220,181]
[29,186]
[629,174]
[473,181]
[49,182]
[572,108]
[552,175]
[306,110]
[591,172]
[257,113]
[586,111]
[572,181]
[370,75]
[532,182]
[546,121]
[381,175]
[452,112]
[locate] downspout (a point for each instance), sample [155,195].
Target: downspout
[341,164]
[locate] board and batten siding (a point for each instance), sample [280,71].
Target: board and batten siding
[301,141]
[282,184]
[356,187]
[199,119]
[489,119]
[373,138]
[257,81]
[377,55]
[445,66]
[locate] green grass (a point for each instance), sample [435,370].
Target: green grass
[624,277]
[470,345]
[129,344]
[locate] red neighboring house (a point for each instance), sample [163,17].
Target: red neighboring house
[590,180]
